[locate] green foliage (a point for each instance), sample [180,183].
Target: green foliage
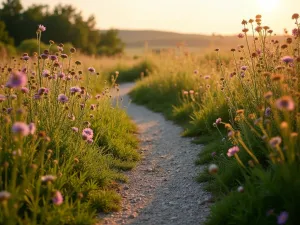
[110,44]
[30,46]
[64,23]
[132,73]
[61,151]
[7,50]
[251,103]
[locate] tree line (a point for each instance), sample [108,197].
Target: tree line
[64,23]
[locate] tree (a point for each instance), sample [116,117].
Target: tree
[110,44]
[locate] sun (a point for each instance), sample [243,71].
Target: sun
[268,5]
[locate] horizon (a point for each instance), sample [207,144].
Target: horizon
[146,15]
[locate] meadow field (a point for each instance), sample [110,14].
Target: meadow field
[65,145]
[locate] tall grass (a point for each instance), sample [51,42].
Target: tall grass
[249,102]
[63,145]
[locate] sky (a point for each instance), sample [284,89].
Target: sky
[185,16]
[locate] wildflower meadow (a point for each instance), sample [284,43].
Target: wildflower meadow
[63,145]
[243,104]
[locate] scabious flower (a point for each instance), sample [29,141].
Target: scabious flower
[62,98]
[75,89]
[295,32]
[287,59]
[218,121]
[275,141]
[46,73]
[48,178]
[16,80]
[43,91]
[240,35]
[2,98]
[87,134]
[57,198]
[91,69]
[25,57]
[244,68]
[213,169]
[232,151]
[93,107]
[285,103]
[53,57]
[32,128]
[206,77]
[268,111]
[20,128]
[24,90]
[282,218]
[62,75]
[75,129]
[4,196]
[196,71]
[41,28]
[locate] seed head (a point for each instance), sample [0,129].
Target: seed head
[213,169]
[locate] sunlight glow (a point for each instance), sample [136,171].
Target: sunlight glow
[268,5]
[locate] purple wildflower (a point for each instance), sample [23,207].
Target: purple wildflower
[268,111]
[32,128]
[57,198]
[240,35]
[53,57]
[62,75]
[43,91]
[17,80]
[46,73]
[91,69]
[93,107]
[287,59]
[244,68]
[87,134]
[20,128]
[282,218]
[24,90]
[196,71]
[75,129]
[213,154]
[2,98]
[36,97]
[219,120]
[285,103]
[295,32]
[62,98]
[44,56]
[41,28]
[232,151]
[26,57]
[75,89]
[90,141]
[275,141]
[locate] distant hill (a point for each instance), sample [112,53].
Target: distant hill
[156,39]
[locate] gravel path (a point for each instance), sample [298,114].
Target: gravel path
[162,188]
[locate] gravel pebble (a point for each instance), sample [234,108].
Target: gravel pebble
[162,188]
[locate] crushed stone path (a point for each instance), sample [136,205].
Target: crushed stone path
[162,189]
